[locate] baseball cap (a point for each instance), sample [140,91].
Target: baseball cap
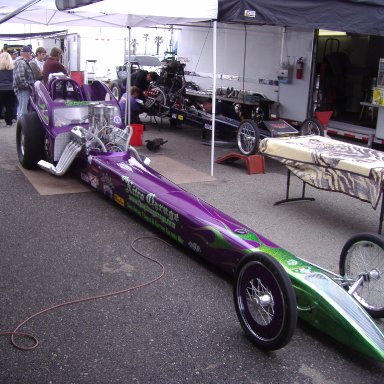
[26,49]
[13,52]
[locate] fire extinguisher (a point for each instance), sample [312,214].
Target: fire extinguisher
[299,68]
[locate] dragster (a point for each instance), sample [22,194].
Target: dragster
[80,127]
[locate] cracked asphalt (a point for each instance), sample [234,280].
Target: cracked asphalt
[182,328]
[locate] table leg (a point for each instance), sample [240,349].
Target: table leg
[381,214]
[287,199]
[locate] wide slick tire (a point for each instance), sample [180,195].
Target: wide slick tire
[248,137]
[29,140]
[265,301]
[363,255]
[311,126]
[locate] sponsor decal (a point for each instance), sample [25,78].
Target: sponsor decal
[108,186]
[304,270]
[279,125]
[90,179]
[119,200]
[41,105]
[292,262]
[180,117]
[249,13]
[150,209]
[194,246]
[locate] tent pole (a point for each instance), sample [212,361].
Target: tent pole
[128,82]
[213,96]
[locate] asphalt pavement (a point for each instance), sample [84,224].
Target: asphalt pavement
[183,327]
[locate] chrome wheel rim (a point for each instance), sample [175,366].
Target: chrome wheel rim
[367,258]
[246,138]
[310,128]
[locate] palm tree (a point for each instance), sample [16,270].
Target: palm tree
[158,42]
[146,38]
[134,44]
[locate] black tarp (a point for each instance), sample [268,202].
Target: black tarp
[353,16]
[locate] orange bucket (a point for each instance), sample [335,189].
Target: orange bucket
[137,136]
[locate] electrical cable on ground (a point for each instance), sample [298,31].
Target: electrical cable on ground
[77,301]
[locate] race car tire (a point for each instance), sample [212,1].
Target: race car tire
[363,255]
[115,89]
[311,126]
[248,137]
[265,301]
[29,140]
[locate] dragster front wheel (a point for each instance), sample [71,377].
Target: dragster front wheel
[362,267]
[248,137]
[265,301]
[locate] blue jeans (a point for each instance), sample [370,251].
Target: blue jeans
[23,98]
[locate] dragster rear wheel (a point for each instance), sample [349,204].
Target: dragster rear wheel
[29,140]
[265,301]
[363,257]
[311,126]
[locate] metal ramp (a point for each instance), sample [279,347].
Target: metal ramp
[351,131]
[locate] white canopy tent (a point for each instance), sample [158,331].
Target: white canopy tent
[112,13]
[117,13]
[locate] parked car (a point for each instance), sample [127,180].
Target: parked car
[118,86]
[149,63]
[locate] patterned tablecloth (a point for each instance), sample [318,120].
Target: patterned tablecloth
[330,164]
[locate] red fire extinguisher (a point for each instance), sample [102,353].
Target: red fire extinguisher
[299,68]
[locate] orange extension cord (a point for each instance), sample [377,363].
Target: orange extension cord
[102,296]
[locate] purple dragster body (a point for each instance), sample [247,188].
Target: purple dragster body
[185,218]
[80,127]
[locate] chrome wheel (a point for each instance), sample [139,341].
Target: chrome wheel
[265,301]
[362,266]
[260,302]
[311,126]
[248,137]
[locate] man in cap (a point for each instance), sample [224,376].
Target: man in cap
[14,54]
[23,79]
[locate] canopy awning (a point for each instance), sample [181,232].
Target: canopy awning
[354,16]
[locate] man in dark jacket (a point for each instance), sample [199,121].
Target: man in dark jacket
[23,79]
[141,79]
[53,64]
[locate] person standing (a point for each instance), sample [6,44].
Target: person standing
[14,54]
[37,63]
[7,95]
[53,64]
[23,80]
